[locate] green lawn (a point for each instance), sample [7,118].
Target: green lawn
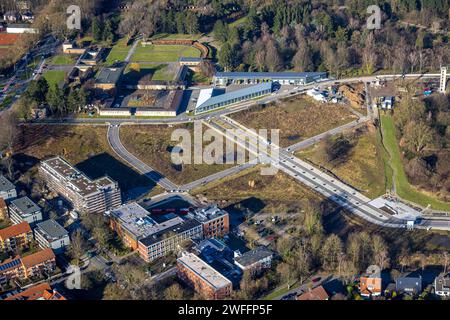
[163,53]
[159,71]
[118,52]
[404,189]
[62,59]
[54,77]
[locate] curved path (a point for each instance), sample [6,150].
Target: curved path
[124,154]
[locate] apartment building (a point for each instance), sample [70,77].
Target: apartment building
[255,260]
[7,189]
[33,265]
[84,194]
[202,277]
[25,210]
[50,234]
[42,291]
[215,222]
[18,236]
[152,239]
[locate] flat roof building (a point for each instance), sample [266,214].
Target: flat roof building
[85,194]
[283,78]
[7,189]
[24,210]
[202,277]
[152,239]
[233,97]
[215,221]
[50,234]
[108,78]
[256,259]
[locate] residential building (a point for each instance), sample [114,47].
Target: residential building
[409,285]
[85,195]
[50,234]
[220,257]
[202,277]
[33,265]
[108,78]
[18,236]
[255,260]
[318,293]
[152,239]
[283,78]
[23,209]
[7,189]
[41,291]
[370,283]
[3,210]
[229,98]
[167,237]
[442,285]
[215,221]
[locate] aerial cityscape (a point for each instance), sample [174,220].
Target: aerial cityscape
[229,150]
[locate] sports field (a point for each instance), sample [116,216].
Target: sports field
[163,53]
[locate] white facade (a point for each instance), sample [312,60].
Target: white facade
[54,237]
[20,30]
[443,80]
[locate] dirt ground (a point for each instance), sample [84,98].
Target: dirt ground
[86,147]
[153,145]
[297,118]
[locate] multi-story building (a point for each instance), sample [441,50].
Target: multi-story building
[202,277]
[23,209]
[3,209]
[7,189]
[85,195]
[15,237]
[215,221]
[255,260]
[152,239]
[50,234]
[41,291]
[33,265]
[167,237]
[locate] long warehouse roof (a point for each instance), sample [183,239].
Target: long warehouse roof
[248,75]
[237,94]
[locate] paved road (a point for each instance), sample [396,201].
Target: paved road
[342,194]
[117,146]
[216,176]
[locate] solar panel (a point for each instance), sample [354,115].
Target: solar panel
[9,265]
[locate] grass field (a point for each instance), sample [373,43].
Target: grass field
[297,118]
[153,145]
[164,53]
[54,77]
[403,188]
[84,146]
[363,169]
[160,72]
[118,52]
[259,193]
[62,59]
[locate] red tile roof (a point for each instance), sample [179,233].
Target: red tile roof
[40,291]
[15,230]
[38,258]
[318,293]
